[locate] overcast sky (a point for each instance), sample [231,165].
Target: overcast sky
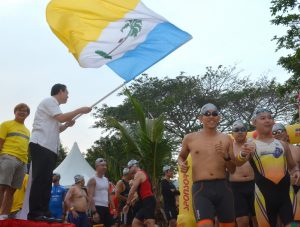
[32,59]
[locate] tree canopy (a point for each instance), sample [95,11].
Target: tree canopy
[180,100]
[286,13]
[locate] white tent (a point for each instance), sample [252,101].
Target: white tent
[72,165]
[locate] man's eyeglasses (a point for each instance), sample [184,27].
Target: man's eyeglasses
[214,113]
[277,132]
[239,129]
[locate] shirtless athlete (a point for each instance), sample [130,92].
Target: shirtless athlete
[212,153]
[242,181]
[77,202]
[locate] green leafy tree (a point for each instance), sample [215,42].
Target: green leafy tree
[145,141]
[62,153]
[242,103]
[181,98]
[286,13]
[111,149]
[178,99]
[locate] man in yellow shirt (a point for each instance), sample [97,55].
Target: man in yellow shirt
[14,140]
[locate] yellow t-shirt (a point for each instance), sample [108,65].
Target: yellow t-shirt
[16,139]
[19,196]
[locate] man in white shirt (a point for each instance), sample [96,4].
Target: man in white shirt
[44,144]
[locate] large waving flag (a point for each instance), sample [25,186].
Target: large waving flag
[124,34]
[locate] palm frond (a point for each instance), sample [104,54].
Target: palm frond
[126,134]
[138,110]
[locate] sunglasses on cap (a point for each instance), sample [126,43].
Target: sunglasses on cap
[214,113]
[243,129]
[277,132]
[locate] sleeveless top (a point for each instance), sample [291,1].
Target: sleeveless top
[145,188]
[124,193]
[101,191]
[269,161]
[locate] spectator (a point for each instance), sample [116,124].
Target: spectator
[58,193]
[14,139]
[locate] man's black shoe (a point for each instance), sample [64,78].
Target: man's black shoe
[46,219]
[59,220]
[47,214]
[37,218]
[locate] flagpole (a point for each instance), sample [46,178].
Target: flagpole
[104,97]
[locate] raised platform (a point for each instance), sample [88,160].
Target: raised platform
[23,223]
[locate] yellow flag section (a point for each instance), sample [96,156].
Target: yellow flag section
[186,214]
[84,20]
[294,133]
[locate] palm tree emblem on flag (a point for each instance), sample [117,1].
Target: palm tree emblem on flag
[135,26]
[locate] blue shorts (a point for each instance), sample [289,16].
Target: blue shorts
[56,212]
[80,221]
